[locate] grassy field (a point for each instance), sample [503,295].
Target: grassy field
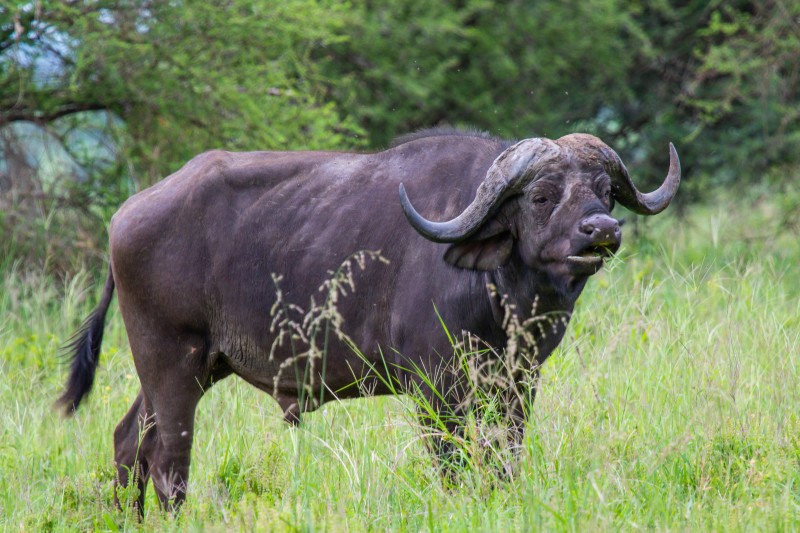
[672,404]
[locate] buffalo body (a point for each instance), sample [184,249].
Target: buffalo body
[210,264]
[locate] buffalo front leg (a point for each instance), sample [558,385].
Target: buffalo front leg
[443,438]
[442,420]
[494,441]
[518,401]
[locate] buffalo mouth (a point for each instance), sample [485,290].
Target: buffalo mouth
[591,258]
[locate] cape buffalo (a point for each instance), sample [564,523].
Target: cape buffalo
[210,263]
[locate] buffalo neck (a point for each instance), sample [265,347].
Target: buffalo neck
[537,300]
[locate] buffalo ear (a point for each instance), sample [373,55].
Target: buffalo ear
[481,254]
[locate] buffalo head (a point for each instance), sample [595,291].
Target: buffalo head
[550,202]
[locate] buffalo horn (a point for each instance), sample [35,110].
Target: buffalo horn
[508,174]
[625,191]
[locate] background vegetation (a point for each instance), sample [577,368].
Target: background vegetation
[101,98]
[671,405]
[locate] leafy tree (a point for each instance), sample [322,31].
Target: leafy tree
[744,95]
[132,89]
[172,78]
[717,78]
[512,67]
[721,80]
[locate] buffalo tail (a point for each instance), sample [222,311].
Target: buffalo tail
[84,349]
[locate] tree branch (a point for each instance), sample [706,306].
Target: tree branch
[41,117]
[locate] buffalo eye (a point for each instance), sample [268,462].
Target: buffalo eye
[541,200]
[608,198]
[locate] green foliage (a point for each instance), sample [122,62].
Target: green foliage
[125,93]
[746,86]
[721,79]
[512,68]
[169,80]
[718,79]
[184,77]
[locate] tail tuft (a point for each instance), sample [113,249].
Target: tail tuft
[85,349]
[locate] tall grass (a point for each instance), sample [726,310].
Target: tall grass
[672,404]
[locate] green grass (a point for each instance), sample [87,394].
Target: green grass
[672,404]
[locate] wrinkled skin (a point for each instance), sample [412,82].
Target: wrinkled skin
[192,260]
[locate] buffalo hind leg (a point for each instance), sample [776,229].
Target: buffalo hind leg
[174,373]
[132,440]
[148,445]
[170,459]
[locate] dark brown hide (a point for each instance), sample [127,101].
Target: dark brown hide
[192,259]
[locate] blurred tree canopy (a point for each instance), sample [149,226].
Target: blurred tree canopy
[100,98]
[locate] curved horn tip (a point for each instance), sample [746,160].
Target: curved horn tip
[654,202]
[417,221]
[673,155]
[408,209]
[674,166]
[444,232]
[658,200]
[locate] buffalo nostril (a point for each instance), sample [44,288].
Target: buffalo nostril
[600,227]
